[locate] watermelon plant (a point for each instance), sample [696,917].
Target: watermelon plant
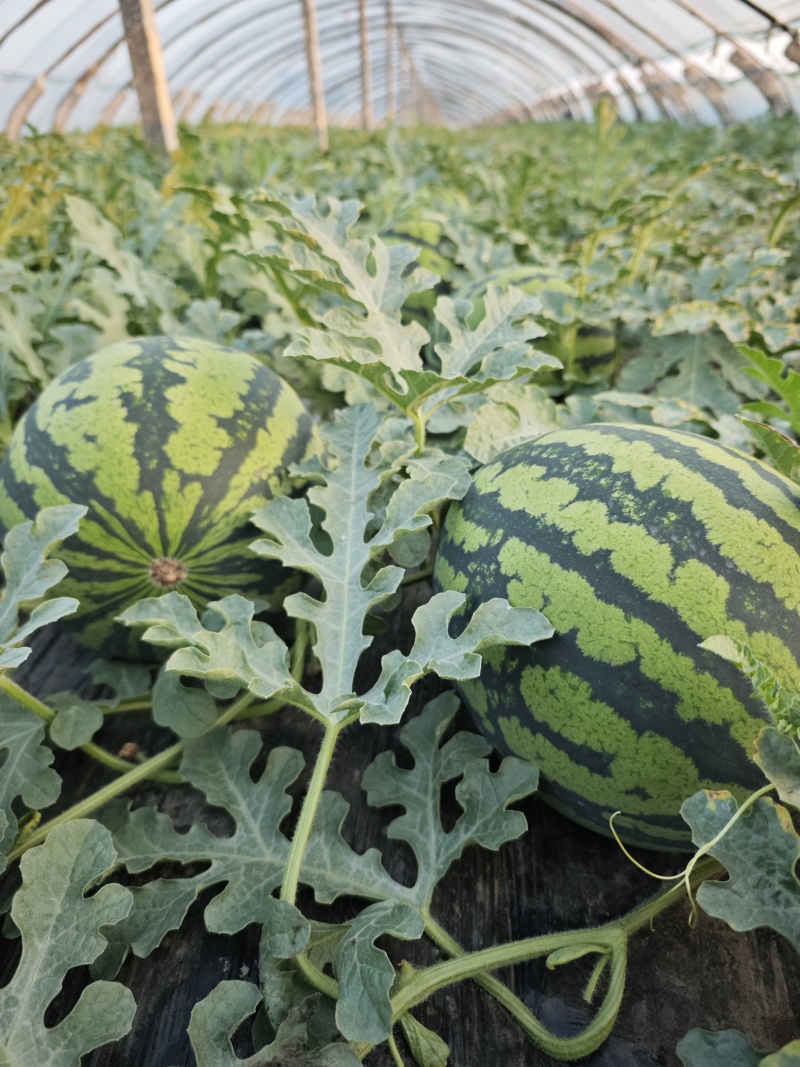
[229,246]
[588,352]
[172,444]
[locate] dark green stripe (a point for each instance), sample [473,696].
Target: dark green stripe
[667,519]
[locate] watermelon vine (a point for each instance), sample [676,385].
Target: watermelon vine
[593,306]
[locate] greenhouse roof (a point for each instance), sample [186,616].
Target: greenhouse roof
[65,64]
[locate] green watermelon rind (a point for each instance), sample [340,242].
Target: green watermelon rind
[637,543]
[172,444]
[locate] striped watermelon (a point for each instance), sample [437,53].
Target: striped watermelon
[172,444]
[637,543]
[589,353]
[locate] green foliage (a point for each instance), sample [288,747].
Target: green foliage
[684,240]
[782,704]
[782,380]
[226,1007]
[26,767]
[30,575]
[228,646]
[61,929]
[483,796]
[759,852]
[730,1048]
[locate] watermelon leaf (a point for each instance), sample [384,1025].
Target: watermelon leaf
[493,623]
[372,279]
[781,379]
[352,493]
[216,1018]
[250,861]
[190,712]
[26,770]
[727,1048]
[364,333]
[237,650]
[366,507]
[780,450]
[782,704]
[365,973]
[760,852]
[127,680]
[76,721]
[427,1048]
[482,794]
[285,988]
[30,574]
[60,929]
[779,758]
[497,345]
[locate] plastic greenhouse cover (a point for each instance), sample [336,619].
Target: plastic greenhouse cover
[64,63]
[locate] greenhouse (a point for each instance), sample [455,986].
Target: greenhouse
[400,522]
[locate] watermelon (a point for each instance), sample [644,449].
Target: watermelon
[637,543]
[172,444]
[588,352]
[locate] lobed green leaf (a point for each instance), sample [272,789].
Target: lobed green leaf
[61,929]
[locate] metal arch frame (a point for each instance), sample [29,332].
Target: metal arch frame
[454,91]
[381,94]
[753,63]
[382,82]
[75,45]
[448,89]
[530,26]
[548,15]
[239,75]
[21,22]
[335,88]
[326,34]
[67,104]
[244,25]
[632,53]
[710,87]
[618,45]
[71,98]
[69,101]
[594,25]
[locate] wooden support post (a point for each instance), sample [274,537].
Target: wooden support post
[315,72]
[366,67]
[149,73]
[390,102]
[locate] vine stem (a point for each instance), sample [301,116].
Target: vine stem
[97,752]
[291,875]
[416,576]
[308,812]
[119,785]
[609,940]
[143,704]
[102,796]
[395,1051]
